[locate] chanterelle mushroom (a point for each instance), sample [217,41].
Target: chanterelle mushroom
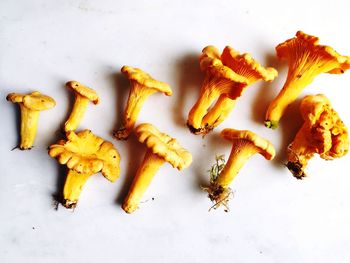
[161,148]
[227,76]
[30,106]
[323,132]
[84,154]
[244,145]
[142,86]
[83,95]
[306,59]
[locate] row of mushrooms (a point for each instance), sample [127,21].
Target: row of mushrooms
[227,75]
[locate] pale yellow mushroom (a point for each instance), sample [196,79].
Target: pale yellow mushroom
[161,148]
[84,154]
[30,106]
[83,95]
[142,86]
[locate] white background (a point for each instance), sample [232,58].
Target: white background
[273,217]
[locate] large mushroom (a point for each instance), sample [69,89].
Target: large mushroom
[306,60]
[84,154]
[244,145]
[83,95]
[30,106]
[323,133]
[161,148]
[227,76]
[142,86]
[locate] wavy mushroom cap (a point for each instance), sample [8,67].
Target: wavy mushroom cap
[304,45]
[263,146]
[83,90]
[34,101]
[163,145]
[87,153]
[246,66]
[145,80]
[231,66]
[312,106]
[327,132]
[210,61]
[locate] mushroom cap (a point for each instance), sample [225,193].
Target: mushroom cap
[34,101]
[210,61]
[264,146]
[245,65]
[324,128]
[163,145]
[83,90]
[87,153]
[146,80]
[304,43]
[312,106]
[241,70]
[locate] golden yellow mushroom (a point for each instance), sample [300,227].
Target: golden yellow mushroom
[161,148]
[306,59]
[83,95]
[142,86]
[30,106]
[244,145]
[84,154]
[227,76]
[323,132]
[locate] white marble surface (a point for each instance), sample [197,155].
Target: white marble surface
[273,217]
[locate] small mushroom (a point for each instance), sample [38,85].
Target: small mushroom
[323,133]
[244,145]
[30,106]
[306,60]
[84,154]
[142,86]
[161,148]
[83,95]
[227,76]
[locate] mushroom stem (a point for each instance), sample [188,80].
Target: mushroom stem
[299,154]
[289,93]
[239,155]
[219,189]
[144,175]
[218,113]
[78,111]
[29,125]
[137,97]
[207,96]
[72,188]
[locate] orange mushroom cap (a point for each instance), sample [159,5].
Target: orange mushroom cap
[305,49]
[145,80]
[163,145]
[263,146]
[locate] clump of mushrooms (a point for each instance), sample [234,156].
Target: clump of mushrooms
[226,77]
[306,59]
[161,148]
[84,154]
[323,132]
[30,106]
[142,86]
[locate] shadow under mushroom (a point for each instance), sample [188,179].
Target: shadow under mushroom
[190,79]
